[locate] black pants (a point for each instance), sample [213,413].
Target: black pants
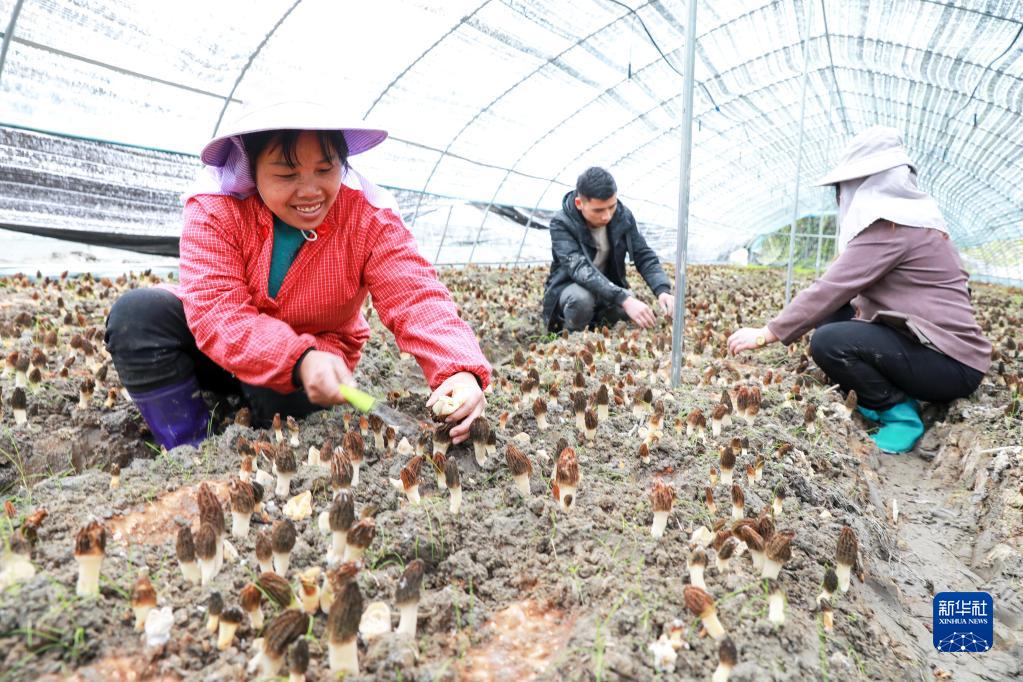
[885,366]
[151,347]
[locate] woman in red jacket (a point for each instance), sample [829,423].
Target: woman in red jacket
[277,257]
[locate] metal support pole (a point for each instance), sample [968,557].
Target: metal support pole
[682,235]
[525,233]
[799,162]
[443,234]
[9,35]
[820,243]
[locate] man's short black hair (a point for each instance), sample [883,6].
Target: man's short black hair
[596,183]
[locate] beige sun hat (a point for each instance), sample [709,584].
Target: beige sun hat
[874,150]
[288,115]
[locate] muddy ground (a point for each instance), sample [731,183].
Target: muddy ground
[515,588]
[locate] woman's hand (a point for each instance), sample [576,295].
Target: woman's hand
[320,374]
[463,388]
[748,337]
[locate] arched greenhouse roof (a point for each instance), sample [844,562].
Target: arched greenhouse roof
[505,102]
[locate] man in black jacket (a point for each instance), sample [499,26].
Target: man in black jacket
[589,240]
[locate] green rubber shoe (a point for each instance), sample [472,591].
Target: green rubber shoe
[901,428]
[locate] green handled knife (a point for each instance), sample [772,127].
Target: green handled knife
[366,403]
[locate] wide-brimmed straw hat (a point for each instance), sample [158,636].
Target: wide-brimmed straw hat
[292,115]
[874,150]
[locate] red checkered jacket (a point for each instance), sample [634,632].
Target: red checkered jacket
[361,249]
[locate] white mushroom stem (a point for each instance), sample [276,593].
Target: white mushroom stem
[776,607]
[726,476]
[660,522]
[722,564]
[409,616]
[140,616]
[776,505]
[265,566]
[721,673]
[83,400]
[378,440]
[828,620]
[88,574]
[771,569]
[344,657]
[696,577]
[412,494]
[20,379]
[213,622]
[566,497]
[601,412]
[256,618]
[737,512]
[293,441]
[282,560]
[441,447]
[240,524]
[279,435]
[311,600]
[580,421]
[522,483]
[355,472]
[353,553]
[226,635]
[456,499]
[843,572]
[758,559]
[283,489]
[442,481]
[20,417]
[715,427]
[326,595]
[268,667]
[712,625]
[207,570]
[591,434]
[338,542]
[313,457]
[190,571]
[480,450]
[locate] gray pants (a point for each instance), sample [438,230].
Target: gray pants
[580,309]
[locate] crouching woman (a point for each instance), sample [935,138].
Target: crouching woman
[893,313]
[277,257]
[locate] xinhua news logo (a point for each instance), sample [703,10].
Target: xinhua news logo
[964,622]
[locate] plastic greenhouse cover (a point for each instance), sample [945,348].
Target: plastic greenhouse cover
[505,102]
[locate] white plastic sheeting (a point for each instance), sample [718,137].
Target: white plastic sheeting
[507,101]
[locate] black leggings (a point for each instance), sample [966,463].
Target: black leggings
[151,346]
[885,366]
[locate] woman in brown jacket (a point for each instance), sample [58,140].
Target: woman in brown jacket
[893,314]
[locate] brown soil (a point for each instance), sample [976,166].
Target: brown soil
[514,587]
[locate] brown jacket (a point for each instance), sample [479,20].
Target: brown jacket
[905,277]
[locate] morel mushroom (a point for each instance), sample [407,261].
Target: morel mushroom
[90,547]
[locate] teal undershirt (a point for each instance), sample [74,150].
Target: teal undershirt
[287,241]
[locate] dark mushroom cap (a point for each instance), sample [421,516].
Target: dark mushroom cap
[345,613]
[283,630]
[283,536]
[407,590]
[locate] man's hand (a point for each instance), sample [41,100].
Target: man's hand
[747,338]
[667,302]
[463,387]
[639,312]
[320,374]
